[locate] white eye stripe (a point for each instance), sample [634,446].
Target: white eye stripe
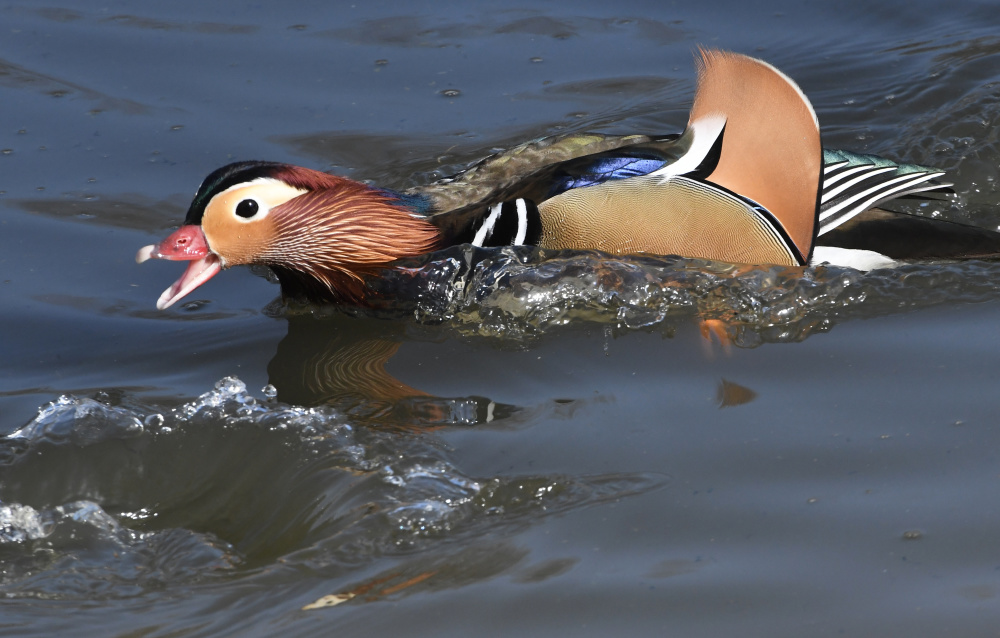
[266,192]
[259,180]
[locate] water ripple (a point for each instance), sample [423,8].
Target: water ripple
[147,498]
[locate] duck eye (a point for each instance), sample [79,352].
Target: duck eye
[247,208]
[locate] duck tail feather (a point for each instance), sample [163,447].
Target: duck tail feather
[855,182]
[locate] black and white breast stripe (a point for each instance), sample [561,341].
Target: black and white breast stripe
[513,223]
[850,190]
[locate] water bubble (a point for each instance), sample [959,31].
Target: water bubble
[140,514]
[195,304]
[19,523]
[450,92]
[269,391]
[154,421]
[230,385]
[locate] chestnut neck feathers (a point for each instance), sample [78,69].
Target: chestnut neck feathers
[321,240]
[331,238]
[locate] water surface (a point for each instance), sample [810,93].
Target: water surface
[544,442]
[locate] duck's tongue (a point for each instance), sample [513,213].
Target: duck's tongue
[187,243]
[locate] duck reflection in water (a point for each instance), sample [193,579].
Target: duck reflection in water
[340,361]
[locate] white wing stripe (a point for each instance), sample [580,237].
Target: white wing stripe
[829,194]
[881,189]
[832,167]
[880,193]
[487,226]
[706,131]
[847,172]
[522,222]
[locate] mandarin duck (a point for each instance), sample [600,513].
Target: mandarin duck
[746,182]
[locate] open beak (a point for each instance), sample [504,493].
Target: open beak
[187,243]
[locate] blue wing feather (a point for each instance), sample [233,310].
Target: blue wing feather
[605,169]
[420,204]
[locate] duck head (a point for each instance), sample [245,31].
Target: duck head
[320,233]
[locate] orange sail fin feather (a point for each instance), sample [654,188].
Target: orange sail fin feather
[771,151]
[744,183]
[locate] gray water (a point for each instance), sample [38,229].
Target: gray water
[541,443]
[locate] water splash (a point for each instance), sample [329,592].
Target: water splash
[80,551]
[520,293]
[321,493]
[19,523]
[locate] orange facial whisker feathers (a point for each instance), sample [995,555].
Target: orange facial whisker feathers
[338,235]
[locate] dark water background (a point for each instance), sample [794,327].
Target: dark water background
[568,454]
